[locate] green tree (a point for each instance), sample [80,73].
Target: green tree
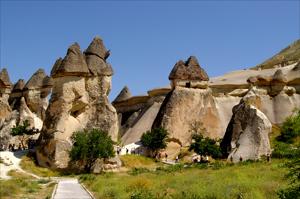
[89,146]
[205,146]
[23,131]
[293,191]
[290,129]
[155,140]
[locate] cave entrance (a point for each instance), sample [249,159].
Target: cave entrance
[188,84]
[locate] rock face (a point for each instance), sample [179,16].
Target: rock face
[79,101]
[185,106]
[5,89]
[25,102]
[123,95]
[36,91]
[137,114]
[247,135]
[273,92]
[5,110]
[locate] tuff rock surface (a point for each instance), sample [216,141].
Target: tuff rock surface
[81,84]
[247,134]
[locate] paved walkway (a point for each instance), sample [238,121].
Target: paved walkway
[70,188]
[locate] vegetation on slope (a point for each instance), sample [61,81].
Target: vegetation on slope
[137,161]
[245,180]
[24,186]
[289,55]
[28,164]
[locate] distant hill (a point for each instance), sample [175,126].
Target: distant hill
[287,56]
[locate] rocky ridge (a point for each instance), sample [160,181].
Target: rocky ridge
[81,84]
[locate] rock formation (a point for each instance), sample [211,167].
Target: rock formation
[137,114]
[285,57]
[5,110]
[193,97]
[79,101]
[27,102]
[190,102]
[5,89]
[247,135]
[188,74]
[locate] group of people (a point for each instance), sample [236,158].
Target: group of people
[268,158]
[30,144]
[132,151]
[201,159]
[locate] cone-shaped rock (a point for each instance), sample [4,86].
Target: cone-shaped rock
[95,55]
[97,48]
[37,80]
[123,95]
[189,70]
[73,63]
[4,78]
[19,86]
[56,66]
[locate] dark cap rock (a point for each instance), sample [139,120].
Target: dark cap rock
[97,48]
[73,64]
[19,86]
[37,80]
[56,66]
[4,78]
[123,95]
[189,70]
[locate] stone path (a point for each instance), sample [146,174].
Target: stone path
[70,188]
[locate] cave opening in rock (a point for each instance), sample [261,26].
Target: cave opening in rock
[188,84]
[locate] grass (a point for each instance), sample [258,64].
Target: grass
[24,186]
[246,180]
[29,165]
[137,161]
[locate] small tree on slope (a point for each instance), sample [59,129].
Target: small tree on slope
[23,131]
[91,145]
[155,140]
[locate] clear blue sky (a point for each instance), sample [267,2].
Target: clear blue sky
[146,38]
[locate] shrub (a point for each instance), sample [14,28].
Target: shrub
[155,140]
[284,150]
[290,129]
[23,131]
[292,192]
[91,145]
[205,146]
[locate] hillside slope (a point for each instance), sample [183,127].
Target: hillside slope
[287,56]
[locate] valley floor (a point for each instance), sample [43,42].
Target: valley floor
[244,181]
[142,178]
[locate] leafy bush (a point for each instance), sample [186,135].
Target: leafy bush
[23,131]
[205,146]
[155,140]
[284,150]
[290,129]
[91,145]
[292,192]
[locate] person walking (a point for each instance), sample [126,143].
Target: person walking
[166,156]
